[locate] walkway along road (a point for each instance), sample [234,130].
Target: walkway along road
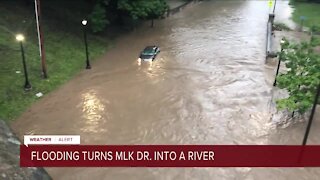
[209,85]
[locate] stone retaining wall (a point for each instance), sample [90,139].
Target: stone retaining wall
[9,159]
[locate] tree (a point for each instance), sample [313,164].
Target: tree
[117,9]
[98,17]
[143,9]
[158,8]
[302,77]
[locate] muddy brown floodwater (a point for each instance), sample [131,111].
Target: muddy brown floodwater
[209,85]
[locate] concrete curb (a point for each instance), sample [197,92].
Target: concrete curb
[175,10]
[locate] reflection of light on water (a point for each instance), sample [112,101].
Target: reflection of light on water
[150,66]
[151,72]
[139,62]
[92,110]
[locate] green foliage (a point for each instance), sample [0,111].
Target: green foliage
[315,28]
[158,8]
[98,18]
[134,9]
[302,76]
[143,9]
[315,41]
[64,52]
[312,1]
[309,10]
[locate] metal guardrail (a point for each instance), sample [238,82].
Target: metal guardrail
[269,52]
[269,33]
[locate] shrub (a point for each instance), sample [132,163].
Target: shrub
[98,18]
[315,29]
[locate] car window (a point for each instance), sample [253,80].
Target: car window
[148,51]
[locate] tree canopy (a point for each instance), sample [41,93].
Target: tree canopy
[143,9]
[301,78]
[134,9]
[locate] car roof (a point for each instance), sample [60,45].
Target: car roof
[150,48]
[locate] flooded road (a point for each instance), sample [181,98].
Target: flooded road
[209,85]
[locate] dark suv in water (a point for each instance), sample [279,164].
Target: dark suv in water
[149,53]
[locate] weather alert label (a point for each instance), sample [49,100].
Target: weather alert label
[51,139]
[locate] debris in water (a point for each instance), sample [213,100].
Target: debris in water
[18,72]
[3,175]
[14,141]
[39,94]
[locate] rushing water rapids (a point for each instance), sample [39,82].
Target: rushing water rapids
[209,85]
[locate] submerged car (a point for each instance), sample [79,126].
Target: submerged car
[149,53]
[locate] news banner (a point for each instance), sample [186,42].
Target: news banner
[66,151]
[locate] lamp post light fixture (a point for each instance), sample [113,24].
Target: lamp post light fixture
[84,23]
[27,85]
[279,63]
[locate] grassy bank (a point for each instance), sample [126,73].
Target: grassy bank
[310,10]
[64,51]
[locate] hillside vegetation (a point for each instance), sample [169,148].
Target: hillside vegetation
[64,46]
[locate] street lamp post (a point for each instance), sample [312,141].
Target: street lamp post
[279,63]
[27,85]
[306,135]
[40,39]
[84,23]
[274,6]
